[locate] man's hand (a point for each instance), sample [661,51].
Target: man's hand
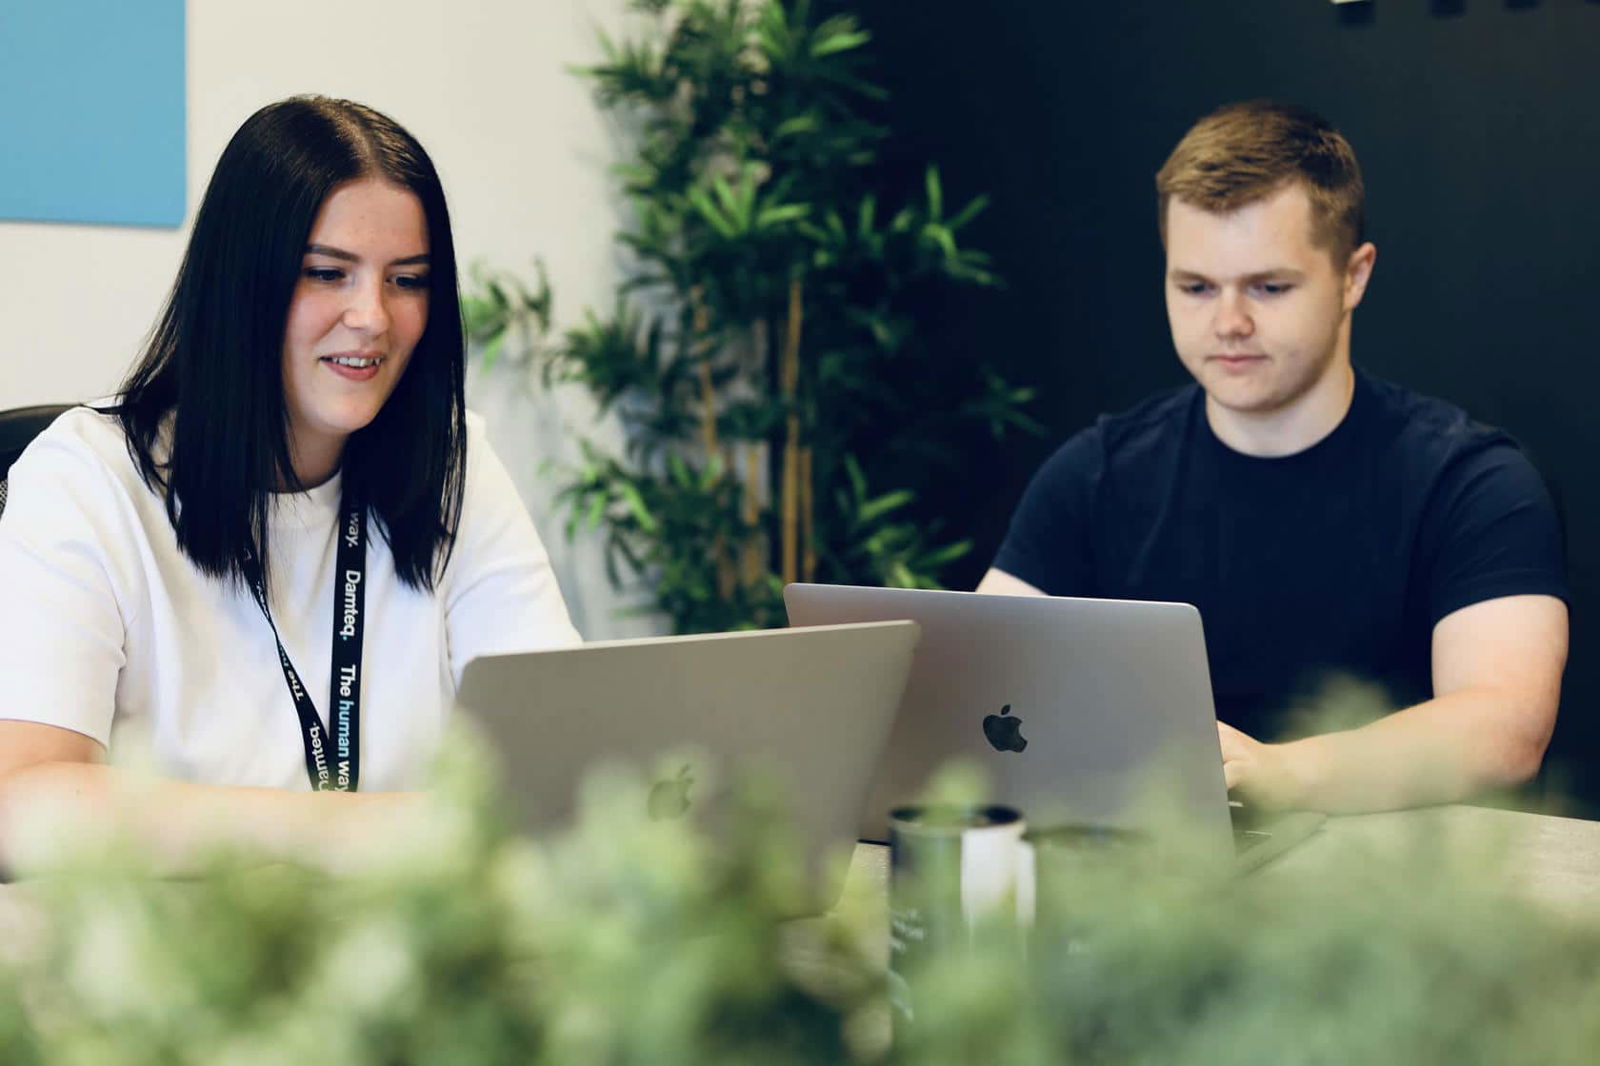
[1262,773]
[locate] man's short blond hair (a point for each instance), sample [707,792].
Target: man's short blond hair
[1245,152]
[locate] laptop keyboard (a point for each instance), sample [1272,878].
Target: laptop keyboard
[1248,830]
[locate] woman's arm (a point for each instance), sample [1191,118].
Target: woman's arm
[55,790]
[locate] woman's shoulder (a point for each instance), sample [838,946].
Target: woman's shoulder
[491,498]
[482,459]
[84,439]
[81,465]
[477,432]
[76,483]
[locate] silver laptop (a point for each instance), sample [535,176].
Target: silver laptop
[1080,711]
[810,709]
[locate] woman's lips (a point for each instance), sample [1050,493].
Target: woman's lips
[353,373]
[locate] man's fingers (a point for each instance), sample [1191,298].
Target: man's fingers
[1238,736]
[1235,753]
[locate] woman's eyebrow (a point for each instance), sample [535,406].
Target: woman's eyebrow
[350,257]
[332,252]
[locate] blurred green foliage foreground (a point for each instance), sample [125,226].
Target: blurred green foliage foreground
[628,941]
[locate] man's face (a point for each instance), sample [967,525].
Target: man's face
[1258,312]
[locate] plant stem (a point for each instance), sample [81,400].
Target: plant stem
[808,568]
[708,391]
[727,577]
[755,470]
[790,372]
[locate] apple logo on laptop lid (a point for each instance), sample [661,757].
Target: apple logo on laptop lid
[670,798]
[1004,730]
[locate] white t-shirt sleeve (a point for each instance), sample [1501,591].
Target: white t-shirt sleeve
[500,591]
[61,617]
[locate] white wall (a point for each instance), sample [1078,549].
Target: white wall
[485,85]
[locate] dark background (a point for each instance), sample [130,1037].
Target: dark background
[1478,128]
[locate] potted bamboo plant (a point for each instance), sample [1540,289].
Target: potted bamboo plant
[763,352]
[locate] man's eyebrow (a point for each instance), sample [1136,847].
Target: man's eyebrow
[350,257]
[1274,274]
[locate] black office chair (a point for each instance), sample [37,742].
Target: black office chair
[18,427]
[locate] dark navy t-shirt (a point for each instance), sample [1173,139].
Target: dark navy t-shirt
[1335,561]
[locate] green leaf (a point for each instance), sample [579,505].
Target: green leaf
[866,216]
[940,237]
[973,209]
[941,557]
[636,505]
[806,123]
[491,351]
[681,474]
[709,211]
[725,195]
[773,216]
[858,480]
[935,193]
[839,42]
[874,509]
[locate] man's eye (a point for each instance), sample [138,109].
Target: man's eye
[1274,288]
[324,273]
[1194,288]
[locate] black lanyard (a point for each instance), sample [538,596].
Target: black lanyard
[337,770]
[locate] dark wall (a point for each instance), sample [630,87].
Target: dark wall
[1478,127]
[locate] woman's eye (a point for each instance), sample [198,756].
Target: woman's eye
[412,281]
[324,273]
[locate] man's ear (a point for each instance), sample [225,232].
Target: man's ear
[1357,272]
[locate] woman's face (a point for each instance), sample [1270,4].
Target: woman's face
[359,308]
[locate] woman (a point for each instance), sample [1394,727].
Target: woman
[288,467]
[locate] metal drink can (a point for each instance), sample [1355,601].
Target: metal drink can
[949,868]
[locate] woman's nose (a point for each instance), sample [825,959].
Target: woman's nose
[366,311]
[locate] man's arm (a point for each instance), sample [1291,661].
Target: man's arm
[999,583]
[1497,680]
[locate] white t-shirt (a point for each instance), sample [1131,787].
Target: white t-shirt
[107,629]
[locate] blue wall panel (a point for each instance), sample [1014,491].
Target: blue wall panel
[92,111]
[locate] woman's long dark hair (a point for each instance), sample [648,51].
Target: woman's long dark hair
[215,359]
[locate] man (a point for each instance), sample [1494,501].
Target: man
[1325,523]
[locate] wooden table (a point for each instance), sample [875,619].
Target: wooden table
[1549,859]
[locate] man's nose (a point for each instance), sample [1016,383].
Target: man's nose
[1233,316]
